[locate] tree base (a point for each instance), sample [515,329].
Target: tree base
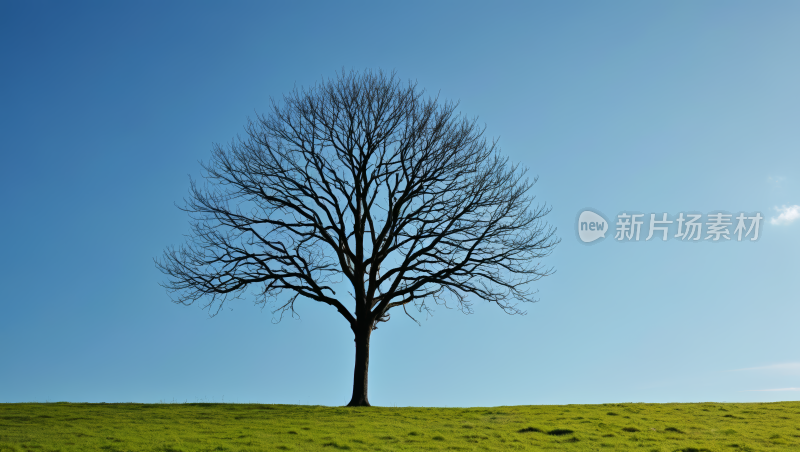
[359,402]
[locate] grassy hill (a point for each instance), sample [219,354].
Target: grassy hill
[244,427]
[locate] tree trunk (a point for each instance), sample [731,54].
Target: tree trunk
[361,370]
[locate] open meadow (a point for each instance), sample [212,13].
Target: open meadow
[251,427]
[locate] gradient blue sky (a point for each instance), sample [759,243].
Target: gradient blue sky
[671,107]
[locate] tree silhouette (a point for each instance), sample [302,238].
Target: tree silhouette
[361,179]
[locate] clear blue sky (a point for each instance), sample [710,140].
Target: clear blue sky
[619,106]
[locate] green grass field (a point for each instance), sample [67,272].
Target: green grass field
[244,427]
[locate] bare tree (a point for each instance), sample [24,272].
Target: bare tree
[361,178]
